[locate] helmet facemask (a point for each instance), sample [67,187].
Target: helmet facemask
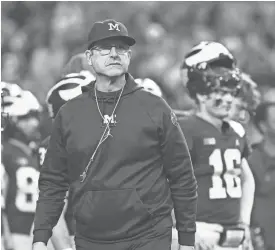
[211,80]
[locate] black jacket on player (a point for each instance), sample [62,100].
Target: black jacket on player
[138,174]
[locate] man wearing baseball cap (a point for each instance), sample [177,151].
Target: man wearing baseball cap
[120,151]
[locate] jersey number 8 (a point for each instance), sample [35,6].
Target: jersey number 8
[27,189]
[225,173]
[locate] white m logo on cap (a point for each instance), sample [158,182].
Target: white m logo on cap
[114,26]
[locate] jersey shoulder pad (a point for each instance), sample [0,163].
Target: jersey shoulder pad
[237,127]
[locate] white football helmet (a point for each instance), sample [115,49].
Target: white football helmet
[10,89]
[21,105]
[210,66]
[66,89]
[206,53]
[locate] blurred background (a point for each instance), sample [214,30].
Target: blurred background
[38,39]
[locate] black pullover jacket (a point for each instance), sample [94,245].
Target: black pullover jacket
[137,176]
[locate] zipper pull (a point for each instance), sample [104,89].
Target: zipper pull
[83,176]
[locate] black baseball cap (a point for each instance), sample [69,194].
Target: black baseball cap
[109,29]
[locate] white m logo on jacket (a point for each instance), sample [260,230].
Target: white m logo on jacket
[109,119]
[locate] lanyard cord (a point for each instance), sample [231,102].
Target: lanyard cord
[106,133]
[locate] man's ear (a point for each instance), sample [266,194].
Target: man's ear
[129,53]
[89,54]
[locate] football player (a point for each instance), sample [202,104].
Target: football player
[65,89]
[19,162]
[6,238]
[219,152]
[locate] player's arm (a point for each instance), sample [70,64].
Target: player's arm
[248,189]
[53,185]
[7,237]
[179,171]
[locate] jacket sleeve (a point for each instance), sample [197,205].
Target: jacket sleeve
[180,174]
[53,184]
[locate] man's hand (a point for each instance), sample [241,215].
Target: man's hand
[203,243]
[39,246]
[186,247]
[173,218]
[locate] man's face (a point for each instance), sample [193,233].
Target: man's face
[110,57]
[218,103]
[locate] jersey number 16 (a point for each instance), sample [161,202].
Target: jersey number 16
[225,180]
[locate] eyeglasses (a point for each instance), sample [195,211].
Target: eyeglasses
[106,49]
